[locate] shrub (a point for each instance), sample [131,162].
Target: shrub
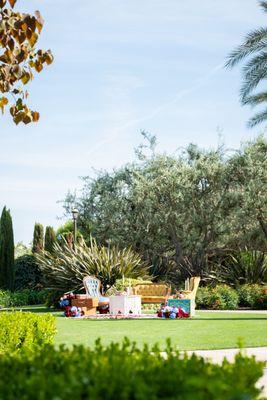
[27,272]
[261,303]
[65,269]
[22,298]
[202,297]
[123,372]
[28,331]
[242,267]
[221,297]
[248,294]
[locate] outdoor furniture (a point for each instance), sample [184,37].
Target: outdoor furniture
[152,292]
[125,305]
[88,306]
[186,306]
[92,287]
[190,294]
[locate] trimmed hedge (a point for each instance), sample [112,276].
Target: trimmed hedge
[123,372]
[20,298]
[20,330]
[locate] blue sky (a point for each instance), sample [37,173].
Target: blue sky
[121,66]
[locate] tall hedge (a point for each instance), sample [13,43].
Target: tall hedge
[27,272]
[50,239]
[6,251]
[38,238]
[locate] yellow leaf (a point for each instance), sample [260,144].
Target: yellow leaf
[25,78]
[12,2]
[33,39]
[35,116]
[3,103]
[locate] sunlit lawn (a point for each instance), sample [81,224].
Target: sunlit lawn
[205,331]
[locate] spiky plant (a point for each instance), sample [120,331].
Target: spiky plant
[65,268]
[254,48]
[243,267]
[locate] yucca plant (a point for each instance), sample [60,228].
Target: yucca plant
[65,269]
[243,267]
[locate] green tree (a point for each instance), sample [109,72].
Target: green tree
[27,272]
[254,49]
[38,238]
[6,251]
[50,239]
[180,210]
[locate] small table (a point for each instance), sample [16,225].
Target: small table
[125,305]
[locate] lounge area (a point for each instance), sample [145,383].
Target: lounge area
[129,303]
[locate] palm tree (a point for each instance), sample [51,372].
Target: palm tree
[254,71]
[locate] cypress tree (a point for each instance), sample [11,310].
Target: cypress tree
[38,238]
[6,251]
[50,238]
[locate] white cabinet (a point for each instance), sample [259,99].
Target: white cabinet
[125,305]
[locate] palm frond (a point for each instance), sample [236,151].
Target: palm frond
[255,64]
[257,119]
[254,41]
[252,82]
[255,99]
[263,5]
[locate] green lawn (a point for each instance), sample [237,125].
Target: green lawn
[205,331]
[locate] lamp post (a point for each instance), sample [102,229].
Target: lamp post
[75,213]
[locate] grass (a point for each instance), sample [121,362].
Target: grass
[205,331]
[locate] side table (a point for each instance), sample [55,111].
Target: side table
[125,305]
[87,305]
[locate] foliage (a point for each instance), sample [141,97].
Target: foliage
[65,269]
[38,238]
[27,331]
[124,372]
[249,295]
[19,33]
[243,267]
[6,251]
[121,284]
[27,272]
[261,302]
[180,211]
[253,49]
[221,297]
[21,249]
[65,232]
[21,298]
[50,239]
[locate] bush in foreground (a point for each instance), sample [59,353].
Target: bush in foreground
[123,372]
[25,331]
